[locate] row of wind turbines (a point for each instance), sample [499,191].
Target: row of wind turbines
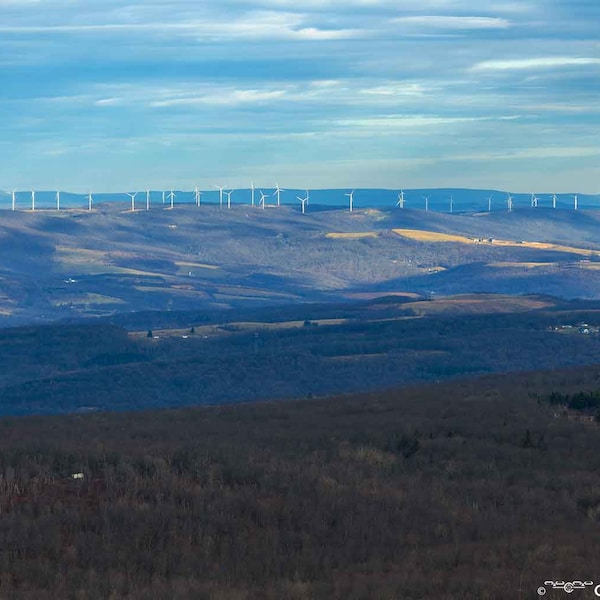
[170,196]
[534,202]
[262,201]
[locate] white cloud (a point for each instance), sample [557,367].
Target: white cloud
[405,121]
[226,97]
[547,62]
[452,22]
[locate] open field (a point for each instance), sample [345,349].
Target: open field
[432,236]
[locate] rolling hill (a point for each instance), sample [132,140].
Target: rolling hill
[76,264]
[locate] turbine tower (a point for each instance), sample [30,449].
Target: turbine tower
[277,192]
[163,197]
[132,196]
[228,194]
[58,200]
[304,201]
[400,202]
[509,202]
[147,199]
[426,198]
[351,199]
[197,194]
[32,200]
[575,202]
[220,188]
[553,200]
[14,199]
[252,191]
[171,197]
[451,204]
[90,200]
[490,203]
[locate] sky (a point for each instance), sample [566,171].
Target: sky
[113,95]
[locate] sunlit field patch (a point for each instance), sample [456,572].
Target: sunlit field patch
[358,235]
[434,236]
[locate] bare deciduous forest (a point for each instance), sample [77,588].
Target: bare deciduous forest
[471,489]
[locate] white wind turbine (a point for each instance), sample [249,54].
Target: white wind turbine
[163,197]
[132,196]
[400,202]
[426,198]
[575,202]
[304,201]
[351,199]
[171,197]
[58,200]
[228,194]
[277,193]
[90,201]
[147,199]
[553,200]
[489,203]
[509,201]
[14,199]
[451,204]
[220,188]
[32,200]
[252,192]
[534,200]
[262,199]
[197,194]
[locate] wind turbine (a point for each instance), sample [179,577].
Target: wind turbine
[553,200]
[509,201]
[575,202]
[58,200]
[534,200]
[228,194]
[163,197]
[252,191]
[400,202]
[490,203]
[304,201]
[171,197]
[262,199]
[147,199]
[132,196]
[426,198]
[220,188]
[197,194]
[14,199]
[90,200]
[32,200]
[277,192]
[451,204]
[351,198]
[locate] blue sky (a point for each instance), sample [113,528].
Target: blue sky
[116,95]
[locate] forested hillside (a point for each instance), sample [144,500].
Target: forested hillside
[467,490]
[298,351]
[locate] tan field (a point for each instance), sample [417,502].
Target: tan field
[352,235]
[434,236]
[480,303]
